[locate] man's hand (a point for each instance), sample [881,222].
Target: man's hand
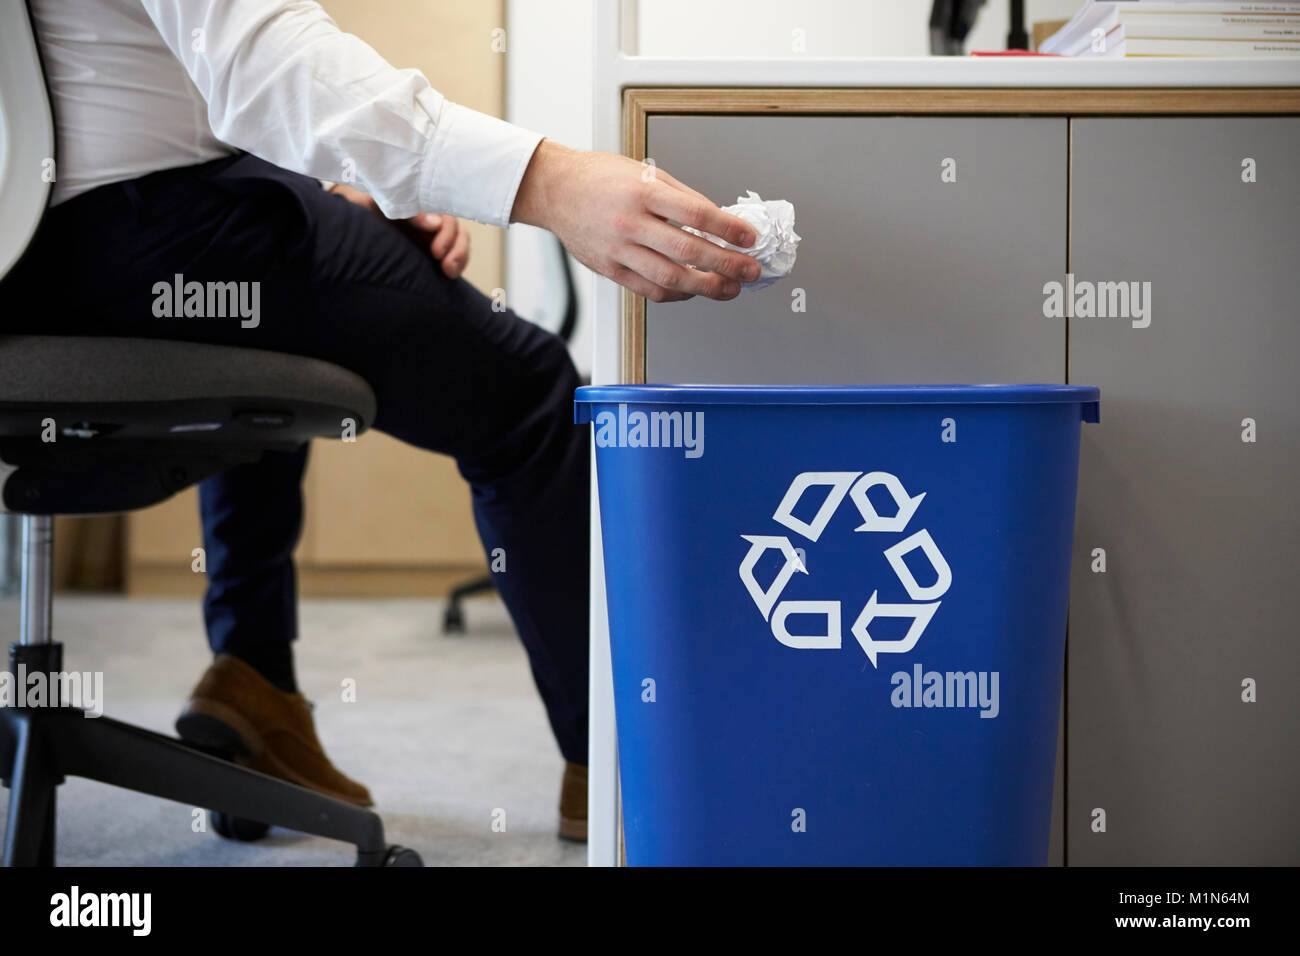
[619,222]
[441,235]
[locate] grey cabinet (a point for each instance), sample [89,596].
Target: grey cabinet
[1200,529]
[907,278]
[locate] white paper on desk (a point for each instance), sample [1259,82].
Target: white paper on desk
[777,242]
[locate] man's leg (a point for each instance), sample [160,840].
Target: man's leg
[456,374]
[496,392]
[526,515]
[451,374]
[252,518]
[247,702]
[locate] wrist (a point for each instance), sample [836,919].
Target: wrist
[545,172]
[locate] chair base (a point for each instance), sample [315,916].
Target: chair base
[40,746]
[453,618]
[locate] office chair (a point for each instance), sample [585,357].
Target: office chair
[453,617]
[951,22]
[94,425]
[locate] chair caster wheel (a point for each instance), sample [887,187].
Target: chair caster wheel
[453,621]
[401,856]
[237,828]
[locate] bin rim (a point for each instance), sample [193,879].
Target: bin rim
[994,394]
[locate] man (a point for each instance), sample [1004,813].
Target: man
[188,133]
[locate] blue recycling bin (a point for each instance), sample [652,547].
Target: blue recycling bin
[837,617]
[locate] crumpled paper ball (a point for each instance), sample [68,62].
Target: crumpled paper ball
[773,221]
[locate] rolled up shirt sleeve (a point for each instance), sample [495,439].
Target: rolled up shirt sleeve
[283,82]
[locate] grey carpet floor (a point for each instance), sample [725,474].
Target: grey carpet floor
[448,733]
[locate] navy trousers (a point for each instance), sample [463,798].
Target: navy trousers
[451,375]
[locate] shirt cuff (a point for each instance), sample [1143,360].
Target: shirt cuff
[474,165]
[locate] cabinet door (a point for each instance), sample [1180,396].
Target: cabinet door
[926,244]
[907,278]
[1200,528]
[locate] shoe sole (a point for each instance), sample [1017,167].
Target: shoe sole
[215,727]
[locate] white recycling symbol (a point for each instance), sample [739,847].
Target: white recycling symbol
[855,486]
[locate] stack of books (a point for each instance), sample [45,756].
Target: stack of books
[1175,28]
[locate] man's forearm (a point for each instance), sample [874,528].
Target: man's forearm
[537,189]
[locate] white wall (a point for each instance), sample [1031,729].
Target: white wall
[548,78]
[765,28]
[548,89]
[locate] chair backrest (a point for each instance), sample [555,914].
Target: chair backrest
[27,163]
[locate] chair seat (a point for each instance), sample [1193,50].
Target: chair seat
[135,420]
[125,388]
[45,369]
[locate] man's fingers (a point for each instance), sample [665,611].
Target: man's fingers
[665,274]
[698,213]
[458,258]
[634,281]
[446,237]
[692,250]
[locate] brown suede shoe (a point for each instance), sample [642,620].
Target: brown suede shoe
[235,709]
[573,803]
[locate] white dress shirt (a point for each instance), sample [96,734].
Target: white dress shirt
[144,85]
